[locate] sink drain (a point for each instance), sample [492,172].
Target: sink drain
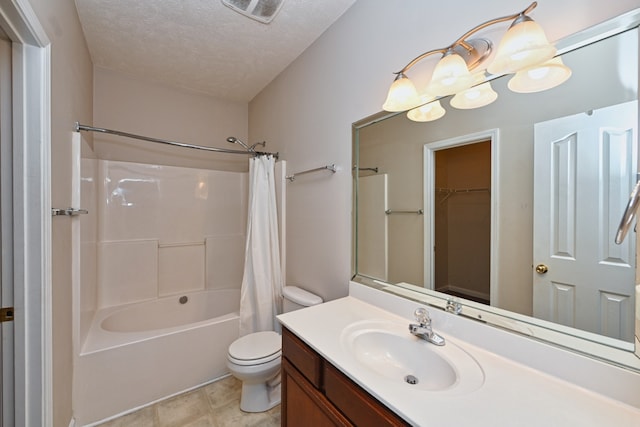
[411,379]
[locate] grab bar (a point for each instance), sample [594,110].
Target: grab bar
[366,169]
[68,212]
[629,213]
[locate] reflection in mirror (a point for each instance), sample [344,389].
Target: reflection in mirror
[515,204]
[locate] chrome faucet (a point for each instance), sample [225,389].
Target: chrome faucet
[423,329]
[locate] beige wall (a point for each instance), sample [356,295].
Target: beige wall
[386,145]
[71,100]
[307,111]
[137,106]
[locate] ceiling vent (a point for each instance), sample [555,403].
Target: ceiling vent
[260,10]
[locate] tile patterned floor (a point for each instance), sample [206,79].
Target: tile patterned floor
[214,405]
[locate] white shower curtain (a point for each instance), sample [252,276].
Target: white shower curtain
[261,292]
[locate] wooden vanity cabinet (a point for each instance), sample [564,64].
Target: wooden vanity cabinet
[315,393]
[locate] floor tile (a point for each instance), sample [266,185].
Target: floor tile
[232,416]
[214,405]
[181,410]
[223,392]
[203,421]
[145,417]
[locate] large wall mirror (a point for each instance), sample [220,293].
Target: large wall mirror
[511,209]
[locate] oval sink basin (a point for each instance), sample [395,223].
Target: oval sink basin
[390,351]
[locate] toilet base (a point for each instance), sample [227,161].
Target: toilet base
[259,397]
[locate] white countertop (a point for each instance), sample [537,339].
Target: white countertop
[512,394]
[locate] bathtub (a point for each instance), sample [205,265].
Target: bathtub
[140,353]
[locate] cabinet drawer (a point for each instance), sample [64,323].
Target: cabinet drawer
[307,361]
[360,407]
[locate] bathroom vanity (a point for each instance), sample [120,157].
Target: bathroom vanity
[315,391]
[346,362]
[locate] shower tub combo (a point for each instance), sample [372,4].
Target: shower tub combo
[138,254]
[143,352]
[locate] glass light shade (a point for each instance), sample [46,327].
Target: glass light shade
[475,97]
[541,77]
[450,76]
[402,95]
[427,112]
[524,45]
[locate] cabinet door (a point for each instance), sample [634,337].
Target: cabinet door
[358,405]
[305,406]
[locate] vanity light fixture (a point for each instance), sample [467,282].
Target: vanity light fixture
[524,46]
[475,97]
[430,110]
[402,94]
[450,76]
[540,77]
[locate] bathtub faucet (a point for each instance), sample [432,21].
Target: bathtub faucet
[423,329]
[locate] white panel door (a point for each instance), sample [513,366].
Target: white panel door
[585,169]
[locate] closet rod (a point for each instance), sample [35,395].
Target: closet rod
[79,127]
[462,190]
[451,191]
[332,168]
[418,212]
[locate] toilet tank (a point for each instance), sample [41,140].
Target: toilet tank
[296,298]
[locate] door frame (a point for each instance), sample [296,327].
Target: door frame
[31,249]
[430,149]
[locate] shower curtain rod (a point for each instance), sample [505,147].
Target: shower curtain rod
[86,128]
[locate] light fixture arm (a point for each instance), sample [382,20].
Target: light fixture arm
[462,41]
[419,58]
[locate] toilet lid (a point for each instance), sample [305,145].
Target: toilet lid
[255,346]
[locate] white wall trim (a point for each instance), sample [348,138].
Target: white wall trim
[22,24]
[429,208]
[31,213]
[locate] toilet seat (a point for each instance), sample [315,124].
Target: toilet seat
[256,348]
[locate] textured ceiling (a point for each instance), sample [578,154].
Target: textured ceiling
[202,45]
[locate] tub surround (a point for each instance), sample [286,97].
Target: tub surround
[524,380]
[164,230]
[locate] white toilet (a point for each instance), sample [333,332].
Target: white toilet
[254,359]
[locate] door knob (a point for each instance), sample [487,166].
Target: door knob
[541,268]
